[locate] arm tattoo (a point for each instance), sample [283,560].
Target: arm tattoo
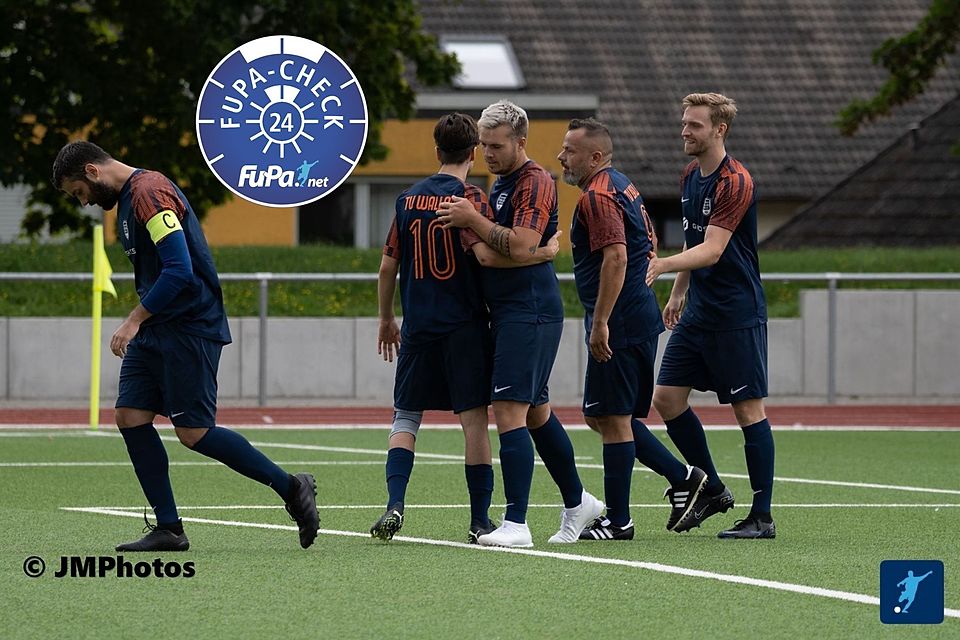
[499,240]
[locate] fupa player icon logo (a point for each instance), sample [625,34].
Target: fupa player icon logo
[282,121]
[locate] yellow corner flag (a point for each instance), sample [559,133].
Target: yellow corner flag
[101,283]
[101,265]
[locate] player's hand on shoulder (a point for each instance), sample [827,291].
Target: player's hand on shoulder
[456,212]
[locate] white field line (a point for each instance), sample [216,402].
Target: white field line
[649,566]
[655,505]
[212,463]
[269,426]
[582,465]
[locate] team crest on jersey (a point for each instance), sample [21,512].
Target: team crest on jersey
[707,206]
[501,200]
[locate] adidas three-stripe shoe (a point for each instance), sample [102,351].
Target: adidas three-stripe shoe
[684,495]
[603,529]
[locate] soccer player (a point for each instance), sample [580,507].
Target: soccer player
[719,339]
[527,320]
[171,342]
[612,238]
[444,347]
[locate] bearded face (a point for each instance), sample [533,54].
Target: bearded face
[102,195]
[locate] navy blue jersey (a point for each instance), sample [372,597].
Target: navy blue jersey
[439,282]
[729,294]
[525,198]
[610,211]
[198,307]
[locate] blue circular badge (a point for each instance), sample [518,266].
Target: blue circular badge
[282,121]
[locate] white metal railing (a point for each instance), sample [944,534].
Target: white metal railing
[265,278]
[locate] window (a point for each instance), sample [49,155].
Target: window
[487,62]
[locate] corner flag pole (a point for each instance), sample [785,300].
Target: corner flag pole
[101,282]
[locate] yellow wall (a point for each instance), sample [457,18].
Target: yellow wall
[412,155]
[241,222]
[237,222]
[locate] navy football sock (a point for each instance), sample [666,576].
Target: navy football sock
[399,468]
[150,463]
[516,464]
[480,487]
[556,451]
[759,451]
[687,434]
[233,450]
[617,475]
[655,455]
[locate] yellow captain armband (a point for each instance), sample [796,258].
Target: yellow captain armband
[162,225]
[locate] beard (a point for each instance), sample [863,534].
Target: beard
[571,178]
[695,148]
[102,195]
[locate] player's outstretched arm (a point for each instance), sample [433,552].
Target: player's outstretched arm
[705,254]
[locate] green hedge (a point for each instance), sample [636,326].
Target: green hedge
[359,299]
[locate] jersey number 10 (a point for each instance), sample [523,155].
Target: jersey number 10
[434,229]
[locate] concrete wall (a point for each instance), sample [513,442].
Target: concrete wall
[889,344]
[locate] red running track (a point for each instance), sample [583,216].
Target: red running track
[780,415]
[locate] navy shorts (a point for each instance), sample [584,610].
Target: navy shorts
[733,363]
[523,358]
[623,385]
[448,374]
[171,373]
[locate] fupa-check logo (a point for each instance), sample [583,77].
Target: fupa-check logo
[282,121]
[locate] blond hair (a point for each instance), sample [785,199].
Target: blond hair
[505,112]
[722,108]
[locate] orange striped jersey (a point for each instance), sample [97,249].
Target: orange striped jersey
[439,282]
[611,211]
[525,198]
[729,294]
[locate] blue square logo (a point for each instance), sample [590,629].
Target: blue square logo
[911,592]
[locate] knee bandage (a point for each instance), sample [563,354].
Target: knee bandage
[406,422]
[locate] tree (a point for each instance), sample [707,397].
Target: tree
[912,60]
[127,75]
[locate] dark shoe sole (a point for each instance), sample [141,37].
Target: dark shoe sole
[692,522]
[152,542]
[307,499]
[733,536]
[387,527]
